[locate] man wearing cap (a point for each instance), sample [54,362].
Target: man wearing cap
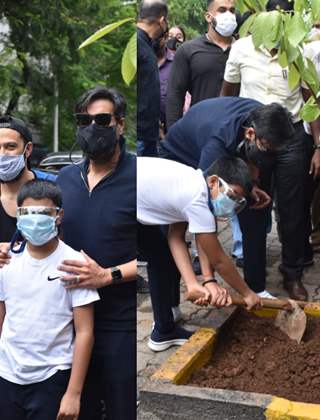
[15,150]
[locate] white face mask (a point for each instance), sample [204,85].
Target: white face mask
[225,23]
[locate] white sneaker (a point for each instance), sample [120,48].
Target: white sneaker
[177,314]
[265,294]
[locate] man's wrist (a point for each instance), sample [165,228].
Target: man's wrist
[107,277]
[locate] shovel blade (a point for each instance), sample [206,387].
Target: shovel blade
[293,323]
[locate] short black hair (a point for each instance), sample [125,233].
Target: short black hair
[273,123]
[233,170]
[101,92]
[38,189]
[287,5]
[152,10]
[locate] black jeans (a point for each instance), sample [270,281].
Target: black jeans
[293,187]
[162,273]
[38,401]
[111,377]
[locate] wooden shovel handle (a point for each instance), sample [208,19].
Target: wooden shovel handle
[266,303]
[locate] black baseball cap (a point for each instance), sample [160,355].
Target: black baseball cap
[7,121]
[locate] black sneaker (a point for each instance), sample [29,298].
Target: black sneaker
[142,285]
[160,342]
[196,266]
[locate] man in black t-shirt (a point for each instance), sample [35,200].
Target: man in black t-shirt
[99,201]
[198,66]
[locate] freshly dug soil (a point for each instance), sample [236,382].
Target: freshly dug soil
[253,355]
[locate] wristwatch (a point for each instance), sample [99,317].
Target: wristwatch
[116,275]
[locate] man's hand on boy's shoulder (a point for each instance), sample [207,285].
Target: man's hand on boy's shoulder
[4,254]
[69,407]
[86,273]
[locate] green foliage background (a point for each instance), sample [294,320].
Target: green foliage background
[43,42]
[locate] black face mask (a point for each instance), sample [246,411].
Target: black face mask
[98,142]
[250,152]
[173,44]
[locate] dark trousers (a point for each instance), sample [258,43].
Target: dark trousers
[111,377]
[39,401]
[162,273]
[293,188]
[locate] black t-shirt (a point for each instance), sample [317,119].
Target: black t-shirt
[7,225]
[198,67]
[103,224]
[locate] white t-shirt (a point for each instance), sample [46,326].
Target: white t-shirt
[169,192]
[37,334]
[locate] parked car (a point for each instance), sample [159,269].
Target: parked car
[53,162]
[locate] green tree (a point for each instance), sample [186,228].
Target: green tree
[288,32]
[42,46]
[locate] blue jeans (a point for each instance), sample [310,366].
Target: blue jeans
[237,250]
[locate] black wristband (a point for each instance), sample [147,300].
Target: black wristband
[209,281]
[316,146]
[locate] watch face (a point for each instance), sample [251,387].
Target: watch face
[116,275]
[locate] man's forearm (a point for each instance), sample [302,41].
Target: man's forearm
[221,263]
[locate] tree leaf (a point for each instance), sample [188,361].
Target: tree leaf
[310,111]
[294,77]
[272,29]
[315,9]
[296,29]
[245,27]
[299,5]
[310,76]
[258,28]
[129,60]
[104,31]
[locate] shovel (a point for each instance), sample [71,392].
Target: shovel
[291,319]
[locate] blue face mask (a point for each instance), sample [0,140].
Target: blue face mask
[11,167]
[38,229]
[224,206]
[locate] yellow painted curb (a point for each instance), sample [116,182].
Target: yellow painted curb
[282,409]
[192,356]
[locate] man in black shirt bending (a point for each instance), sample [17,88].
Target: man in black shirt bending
[198,66]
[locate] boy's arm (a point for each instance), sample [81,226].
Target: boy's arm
[224,266]
[83,324]
[2,314]
[181,256]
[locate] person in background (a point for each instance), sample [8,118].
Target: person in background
[198,65]
[152,25]
[256,74]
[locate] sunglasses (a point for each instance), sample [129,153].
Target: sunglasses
[87,119]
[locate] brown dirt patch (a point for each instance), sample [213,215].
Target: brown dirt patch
[253,355]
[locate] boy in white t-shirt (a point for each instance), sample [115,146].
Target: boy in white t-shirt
[46,329]
[170,193]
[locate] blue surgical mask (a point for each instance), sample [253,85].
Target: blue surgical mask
[224,206]
[38,229]
[11,166]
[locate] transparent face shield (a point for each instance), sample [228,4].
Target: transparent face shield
[239,200]
[43,210]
